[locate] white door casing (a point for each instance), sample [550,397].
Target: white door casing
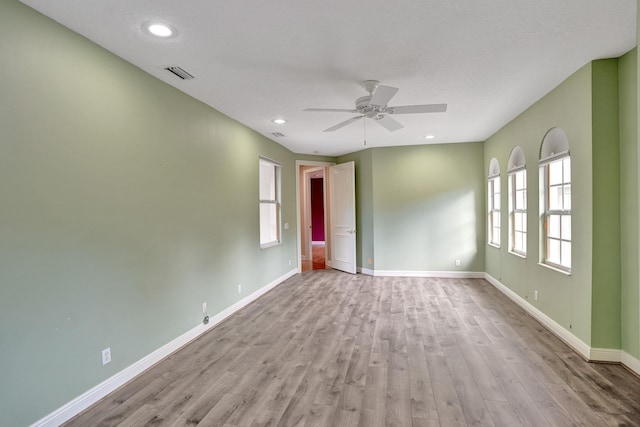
[343,216]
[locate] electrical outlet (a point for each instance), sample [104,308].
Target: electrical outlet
[286,225]
[204,308]
[289,263]
[535,295]
[239,288]
[457,263]
[106,356]
[370,261]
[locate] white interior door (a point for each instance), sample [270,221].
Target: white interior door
[342,208]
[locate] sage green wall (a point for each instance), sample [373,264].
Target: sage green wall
[428,203]
[364,206]
[566,299]
[125,205]
[630,320]
[605,320]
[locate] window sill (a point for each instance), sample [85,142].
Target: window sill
[493,245]
[518,254]
[554,268]
[268,245]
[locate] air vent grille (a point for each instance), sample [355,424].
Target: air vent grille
[181,73]
[277,134]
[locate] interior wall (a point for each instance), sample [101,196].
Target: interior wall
[317,209]
[121,213]
[629,213]
[564,298]
[428,207]
[605,311]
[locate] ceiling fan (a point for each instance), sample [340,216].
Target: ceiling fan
[374,106]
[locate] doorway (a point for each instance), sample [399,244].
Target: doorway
[337,215]
[318,233]
[314,241]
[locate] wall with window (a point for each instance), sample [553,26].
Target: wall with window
[125,205]
[585,297]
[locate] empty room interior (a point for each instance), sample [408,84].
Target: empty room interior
[308,213]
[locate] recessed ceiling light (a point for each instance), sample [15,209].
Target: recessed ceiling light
[429,136]
[279,121]
[160,30]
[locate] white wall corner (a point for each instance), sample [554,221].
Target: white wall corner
[630,362]
[88,398]
[558,330]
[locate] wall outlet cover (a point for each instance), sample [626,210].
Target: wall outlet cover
[106,356]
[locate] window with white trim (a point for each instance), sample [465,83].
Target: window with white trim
[269,203]
[517,202]
[493,202]
[555,182]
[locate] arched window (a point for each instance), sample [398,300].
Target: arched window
[493,194]
[555,200]
[517,173]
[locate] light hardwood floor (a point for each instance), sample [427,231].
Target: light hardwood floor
[327,348]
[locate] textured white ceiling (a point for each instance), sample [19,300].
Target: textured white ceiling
[257,60]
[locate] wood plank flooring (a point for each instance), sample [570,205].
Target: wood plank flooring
[327,348]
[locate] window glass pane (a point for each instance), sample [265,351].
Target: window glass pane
[566,169]
[555,198]
[268,223]
[524,243]
[553,251]
[495,219]
[521,199]
[520,179]
[555,172]
[496,236]
[566,227]
[566,254]
[267,180]
[517,238]
[566,190]
[553,223]
[518,221]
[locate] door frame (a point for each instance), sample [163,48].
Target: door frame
[299,165]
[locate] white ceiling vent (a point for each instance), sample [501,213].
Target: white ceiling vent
[179,72]
[277,134]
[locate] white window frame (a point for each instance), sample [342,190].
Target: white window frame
[494,200]
[269,173]
[562,239]
[515,210]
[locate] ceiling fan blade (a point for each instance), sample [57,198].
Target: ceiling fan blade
[331,110]
[383,95]
[388,123]
[343,124]
[415,109]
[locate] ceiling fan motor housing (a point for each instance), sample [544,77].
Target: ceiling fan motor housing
[363,107]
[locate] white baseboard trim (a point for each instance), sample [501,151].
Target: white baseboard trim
[367,271]
[630,362]
[605,355]
[571,340]
[441,274]
[109,385]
